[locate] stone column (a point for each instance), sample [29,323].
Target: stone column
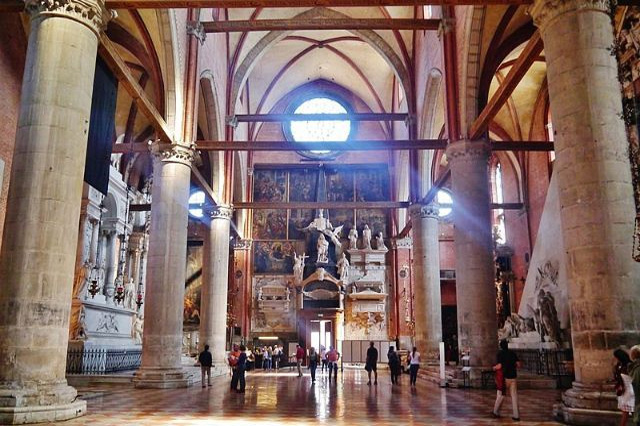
[164,297]
[43,211]
[426,273]
[111,265]
[596,197]
[475,270]
[215,282]
[95,238]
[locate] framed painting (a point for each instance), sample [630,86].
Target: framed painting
[303,185]
[375,218]
[298,219]
[269,185]
[342,217]
[340,185]
[372,184]
[273,257]
[270,224]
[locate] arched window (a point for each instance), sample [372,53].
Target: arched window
[196,201]
[499,228]
[319,130]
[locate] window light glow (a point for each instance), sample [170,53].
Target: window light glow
[320,131]
[444,199]
[196,200]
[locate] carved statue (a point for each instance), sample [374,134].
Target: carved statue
[130,294]
[108,323]
[136,329]
[366,238]
[321,274]
[353,239]
[550,325]
[380,242]
[80,327]
[343,268]
[323,250]
[298,268]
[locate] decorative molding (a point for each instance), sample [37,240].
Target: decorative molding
[221,212]
[466,150]
[402,243]
[91,13]
[447,25]
[242,244]
[174,153]
[429,211]
[196,29]
[544,11]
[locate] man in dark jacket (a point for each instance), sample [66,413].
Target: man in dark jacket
[371,363]
[205,361]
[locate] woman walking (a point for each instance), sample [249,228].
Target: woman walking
[394,365]
[624,387]
[414,365]
[313,363]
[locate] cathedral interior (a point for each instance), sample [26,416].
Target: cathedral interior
[443,175]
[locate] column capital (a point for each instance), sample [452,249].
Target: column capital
[544,11]
[196,29]
[221,212]
[468,150]
[174,153]
[91,13]
[422,211]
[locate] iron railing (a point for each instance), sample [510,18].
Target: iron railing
[102,360]
[557,363]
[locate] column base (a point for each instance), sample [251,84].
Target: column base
[162,378]
[40,404]
[588,405]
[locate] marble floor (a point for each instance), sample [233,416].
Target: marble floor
[284,399]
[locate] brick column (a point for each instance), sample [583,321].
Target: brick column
[43,211]
[164,293]
[475,270]
[596,197]
[426,284]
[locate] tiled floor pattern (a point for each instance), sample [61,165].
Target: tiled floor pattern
[284,399]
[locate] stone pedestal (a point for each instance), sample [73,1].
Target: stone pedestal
[596,197]
[43,211]
[215,282]
[475,272]
[162,339]
[426,275]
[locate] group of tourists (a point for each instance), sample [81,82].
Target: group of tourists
[329,359]
[272,356]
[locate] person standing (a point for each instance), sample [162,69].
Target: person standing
[634,373]
[242,367]
[394,365]
[299,358]
[414,365]
[206,362]
[332,361]
[323,356]
[313,363]
[233,363]
[624,387]
[508,363]
[276,357]
[371,363]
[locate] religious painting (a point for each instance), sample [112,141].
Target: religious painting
[269,185]
[344,218]
[375,218]
[192,288]
[273,257]
[303,185]
[298,219]
[628,51]
[270,224]
[372,184]
[339,185]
